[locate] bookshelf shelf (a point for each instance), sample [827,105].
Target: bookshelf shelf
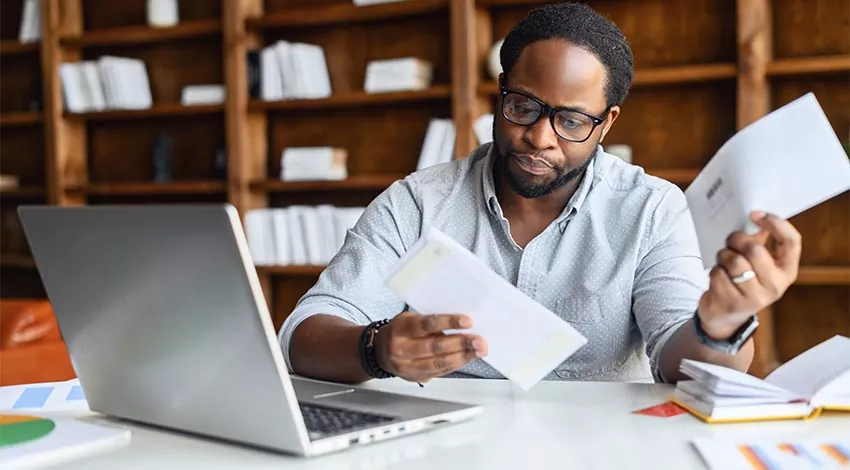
[144,34]
[10,47]
[22,192]
[158,110]
[678,176]
[17,262]
[809,65]
[823,276]
[352,99]
[150,188]
[346,13]
[660,76]
[291,271]
[357,182]
[20,118]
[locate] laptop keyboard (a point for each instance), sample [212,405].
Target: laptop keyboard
[325,420]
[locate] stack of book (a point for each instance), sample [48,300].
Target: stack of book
[193,95]
[298,235]
[107,83]
[30,22]
[403,74]
[483,128]
[439,144]
[313,164]
[288,70]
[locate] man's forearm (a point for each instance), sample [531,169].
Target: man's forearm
[326,347]
[684,344]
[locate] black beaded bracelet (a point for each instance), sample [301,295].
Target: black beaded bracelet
[368,360]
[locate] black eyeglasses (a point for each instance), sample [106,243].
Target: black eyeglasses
[569,124]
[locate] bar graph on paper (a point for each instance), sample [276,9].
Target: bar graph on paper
[824,453]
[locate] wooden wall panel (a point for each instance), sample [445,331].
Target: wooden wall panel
[660,32]
[676,126]
[100,14]
[808,315]
[349,48]
[10,19]
[21,85]
[121,151]
[810,27]
[272,6]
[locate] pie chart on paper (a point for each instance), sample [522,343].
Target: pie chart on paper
[17,429]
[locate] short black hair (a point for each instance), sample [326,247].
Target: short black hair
[581,26]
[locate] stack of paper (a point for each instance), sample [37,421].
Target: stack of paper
[483,128]
[108,83]
[293,70]
[409,73]
[784,163]
[439,144]
[298,235]
[30,22]
[313,163]
[203,94]
[815,380]
[526,341]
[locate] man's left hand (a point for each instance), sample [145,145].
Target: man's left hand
[748,277]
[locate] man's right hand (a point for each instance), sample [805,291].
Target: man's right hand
[415,348]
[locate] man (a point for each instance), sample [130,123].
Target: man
[606,247]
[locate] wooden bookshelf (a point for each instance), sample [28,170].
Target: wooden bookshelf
[20,118]
[704,70]
[150,188]
[809,66]
[158,110]
[138,35]
[345,13]
[354,182]
[352,99]
[14,261]
[9,47]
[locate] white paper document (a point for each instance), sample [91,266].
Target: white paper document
[525,340]
[797,451]
[784,163]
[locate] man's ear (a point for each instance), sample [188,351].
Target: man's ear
[609,121]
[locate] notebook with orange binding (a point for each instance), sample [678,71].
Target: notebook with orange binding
[816,380]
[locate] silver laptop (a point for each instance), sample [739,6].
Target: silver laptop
[164,317]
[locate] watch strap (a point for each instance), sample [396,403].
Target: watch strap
[732,344]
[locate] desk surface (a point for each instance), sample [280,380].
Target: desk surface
[555,425]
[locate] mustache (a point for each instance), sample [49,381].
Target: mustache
[531,156]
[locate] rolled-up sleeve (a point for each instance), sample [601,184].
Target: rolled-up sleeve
[670,277]
[352,286]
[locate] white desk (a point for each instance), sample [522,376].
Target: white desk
[556,425]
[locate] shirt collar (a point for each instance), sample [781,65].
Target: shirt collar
[573,205]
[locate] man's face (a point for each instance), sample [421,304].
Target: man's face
[534,159]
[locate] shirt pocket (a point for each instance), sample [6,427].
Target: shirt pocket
[580,309]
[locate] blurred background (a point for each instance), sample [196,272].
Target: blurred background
[300,112]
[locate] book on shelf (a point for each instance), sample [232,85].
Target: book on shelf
[313,164]
[402,74]
[816,380]
[375,2]
[192,95]
[107,83]
[483,128]
[30,31]
[9,182]
[298,235]
[439,143]
[288,70]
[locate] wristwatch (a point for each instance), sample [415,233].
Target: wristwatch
[734,343]
[367,350]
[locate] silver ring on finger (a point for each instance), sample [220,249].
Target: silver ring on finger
[747,275]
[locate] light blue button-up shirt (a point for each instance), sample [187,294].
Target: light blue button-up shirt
[621,263]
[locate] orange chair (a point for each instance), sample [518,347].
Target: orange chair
[31,347]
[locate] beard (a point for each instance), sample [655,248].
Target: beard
[521,185]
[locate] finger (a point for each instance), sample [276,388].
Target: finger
[788,240]
[440,365]
[735,265]
[425,325]
[437,345]
[762,261]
